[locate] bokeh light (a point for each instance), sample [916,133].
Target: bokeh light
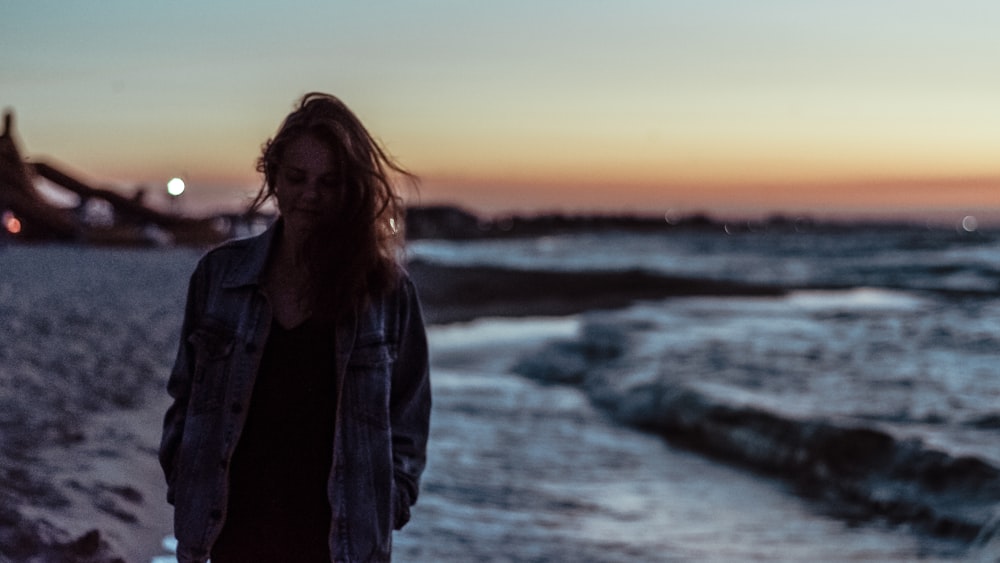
[970,224]
[11,223]
[175,187]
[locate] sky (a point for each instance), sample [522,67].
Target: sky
[727,107]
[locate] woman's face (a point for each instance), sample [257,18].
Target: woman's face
[308,184]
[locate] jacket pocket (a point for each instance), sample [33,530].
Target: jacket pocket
[369,371]
[213,348]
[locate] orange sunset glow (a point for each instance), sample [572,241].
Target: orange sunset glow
[869,108]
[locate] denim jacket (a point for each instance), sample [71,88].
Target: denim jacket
[383,406]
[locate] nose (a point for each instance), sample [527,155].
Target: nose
[312,191]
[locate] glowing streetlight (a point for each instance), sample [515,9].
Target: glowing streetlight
[175,187]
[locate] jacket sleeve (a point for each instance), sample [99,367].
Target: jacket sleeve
[179,384]
[410,404]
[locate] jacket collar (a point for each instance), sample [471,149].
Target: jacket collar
[248,267]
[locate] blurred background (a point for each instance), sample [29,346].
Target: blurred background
[711,281]
[733,108]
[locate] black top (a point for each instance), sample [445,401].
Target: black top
[278,508]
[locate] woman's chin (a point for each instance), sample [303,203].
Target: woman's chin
[304,222]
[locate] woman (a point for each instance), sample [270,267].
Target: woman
[301,389]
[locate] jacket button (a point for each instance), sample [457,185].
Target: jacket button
[251,347]
[215,514]
[236,408]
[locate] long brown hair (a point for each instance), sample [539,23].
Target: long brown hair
[355,256]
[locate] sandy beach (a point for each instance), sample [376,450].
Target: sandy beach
[89,335]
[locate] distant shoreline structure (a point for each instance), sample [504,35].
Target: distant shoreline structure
[453,222]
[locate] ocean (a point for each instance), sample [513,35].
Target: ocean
[871,388]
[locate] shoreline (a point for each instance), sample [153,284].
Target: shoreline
[452,294]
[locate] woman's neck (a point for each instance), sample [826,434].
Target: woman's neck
[287,283]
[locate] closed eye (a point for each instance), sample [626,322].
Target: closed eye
[293,175]
[330,180]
